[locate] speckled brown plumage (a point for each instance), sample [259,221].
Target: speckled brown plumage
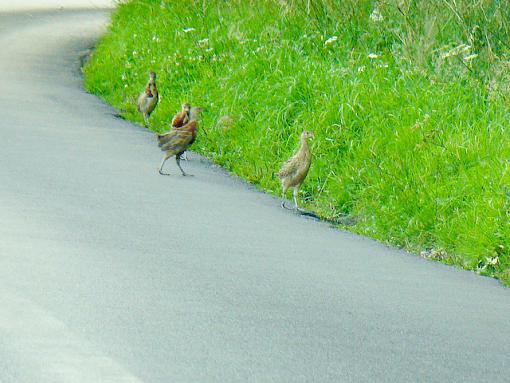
[295,170]
[178,140]
[181,118]
[148,100]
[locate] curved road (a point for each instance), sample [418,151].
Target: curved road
[111,273]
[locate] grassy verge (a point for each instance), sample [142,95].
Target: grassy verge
[409,102]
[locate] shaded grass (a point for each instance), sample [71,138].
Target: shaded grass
[410,111]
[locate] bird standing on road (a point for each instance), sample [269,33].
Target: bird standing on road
[295,170]
[178,140]
[148,100]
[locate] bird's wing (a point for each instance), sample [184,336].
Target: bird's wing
[141,102]
[191,126]
[289,168]
[176,140]
[151,104]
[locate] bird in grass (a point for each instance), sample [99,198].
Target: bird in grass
[148,100]
[294,171]
[178,140]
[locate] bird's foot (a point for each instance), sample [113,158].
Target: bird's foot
[164,174]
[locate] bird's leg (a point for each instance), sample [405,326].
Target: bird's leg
[284,191]
[296,191]
[162,163]
[178,160]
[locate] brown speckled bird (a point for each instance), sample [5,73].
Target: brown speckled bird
[148,100]
[181,118]
[295,170]
[178,140]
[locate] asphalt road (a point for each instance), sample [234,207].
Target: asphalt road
[110,272]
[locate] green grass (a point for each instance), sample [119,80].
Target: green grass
[412,137]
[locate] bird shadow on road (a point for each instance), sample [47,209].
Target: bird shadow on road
[344,220]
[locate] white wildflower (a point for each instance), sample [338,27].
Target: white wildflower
[361,69]
[125,85]
[203,43]
[331,41]
[376,15]
[134,53]
[155,38]
[372,56]
[188,30]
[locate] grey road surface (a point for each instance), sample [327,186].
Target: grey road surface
[110,272]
